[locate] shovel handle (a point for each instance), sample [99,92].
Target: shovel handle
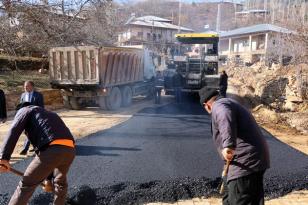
[16,172]
[19,173]
[224,173]
[11,169]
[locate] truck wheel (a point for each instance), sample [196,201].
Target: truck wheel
[102,102]
[74,103]
[114,100]
[66,102]
[127,95]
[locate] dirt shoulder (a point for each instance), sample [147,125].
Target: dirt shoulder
[288,135]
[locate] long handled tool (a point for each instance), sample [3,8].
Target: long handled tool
[224,175]
[19,173]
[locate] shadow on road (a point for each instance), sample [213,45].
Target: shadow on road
[82,150]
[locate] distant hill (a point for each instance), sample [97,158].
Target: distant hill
[194,15]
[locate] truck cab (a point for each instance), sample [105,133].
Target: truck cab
[196,60]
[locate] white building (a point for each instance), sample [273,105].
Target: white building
[254,43]
[150,31]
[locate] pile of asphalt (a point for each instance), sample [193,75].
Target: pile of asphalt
[170,190]
[4,198]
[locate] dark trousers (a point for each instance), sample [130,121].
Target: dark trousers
[223,91]
[246,190]
[56,159]
[178,94]
[157,95]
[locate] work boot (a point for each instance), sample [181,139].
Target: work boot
[48,186]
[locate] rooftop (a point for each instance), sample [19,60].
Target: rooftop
[255,29]
[153,18]
[253,11]
[154,21]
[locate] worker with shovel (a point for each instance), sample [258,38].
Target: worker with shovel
[241,144]
[55,152]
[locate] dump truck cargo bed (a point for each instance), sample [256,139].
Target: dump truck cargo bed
[90,65]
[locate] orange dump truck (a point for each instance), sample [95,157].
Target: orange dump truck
[105,76]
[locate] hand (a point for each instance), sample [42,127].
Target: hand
[227,153]
[4,165]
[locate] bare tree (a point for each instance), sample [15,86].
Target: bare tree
[27,26]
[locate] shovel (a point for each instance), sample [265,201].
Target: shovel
[47,188]
[224,175]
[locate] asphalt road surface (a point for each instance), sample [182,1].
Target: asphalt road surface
[160,154]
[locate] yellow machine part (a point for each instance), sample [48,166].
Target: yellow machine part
[196,35]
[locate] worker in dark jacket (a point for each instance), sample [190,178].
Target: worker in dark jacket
[3,114]
[238,139]
[223,83]
[55,151]
[35,98]
[177,85]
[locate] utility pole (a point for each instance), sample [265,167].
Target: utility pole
[235,10]
[273,11]
[265,9]
[180,11]
[218,17]
[288,11]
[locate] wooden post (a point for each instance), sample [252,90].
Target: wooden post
[265,47]
[230,44]
[250,43]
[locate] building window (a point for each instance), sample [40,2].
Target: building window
[159,36]
[148,36]
[140,34]
[245,43]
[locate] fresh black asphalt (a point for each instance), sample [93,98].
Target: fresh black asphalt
[160,154]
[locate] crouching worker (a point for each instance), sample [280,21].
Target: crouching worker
[55,152]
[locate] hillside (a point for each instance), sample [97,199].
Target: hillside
[194,15]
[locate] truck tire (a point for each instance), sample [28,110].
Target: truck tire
[66,102]
[102,102]
[114,100]
[127,95]
[75,105]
